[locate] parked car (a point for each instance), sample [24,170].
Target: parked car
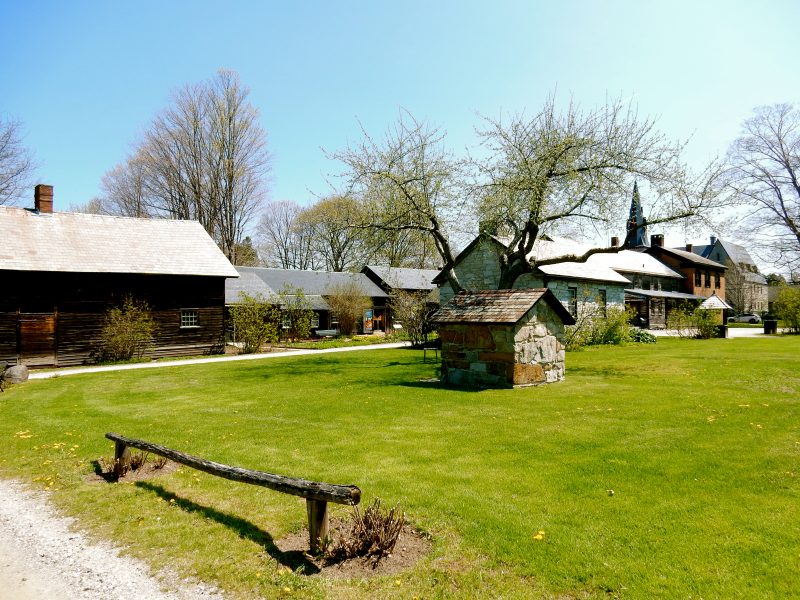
[745,318]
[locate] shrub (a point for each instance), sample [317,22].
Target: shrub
[127,331]
[371,535]
[693,323]
[593,329]
[787,307]
[348,302]
[643,337]
[255,322]
[411,310]
[296,313]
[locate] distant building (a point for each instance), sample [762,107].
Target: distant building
[61,272]
[315,285]
[747,288]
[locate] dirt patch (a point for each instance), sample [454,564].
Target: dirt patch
[147,471]
[411,547]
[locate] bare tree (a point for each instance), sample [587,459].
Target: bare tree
[406,182]
[204,158]
[16,162]
[576,168]
[765,174]
[329,222]
[124,189]
[553,170]
[285,240]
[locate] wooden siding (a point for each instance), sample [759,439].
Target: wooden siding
[77,302]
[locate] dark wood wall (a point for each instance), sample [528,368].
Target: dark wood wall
[56,318]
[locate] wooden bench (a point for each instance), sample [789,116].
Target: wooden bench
[317,494]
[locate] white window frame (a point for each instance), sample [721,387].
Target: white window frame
[190,318]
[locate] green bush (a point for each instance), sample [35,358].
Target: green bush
[593,329]
[255,322]
[693,323]
[296,313]
[127,332]
[787,307]
[640,336]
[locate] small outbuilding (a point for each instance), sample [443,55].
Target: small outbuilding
[503,338]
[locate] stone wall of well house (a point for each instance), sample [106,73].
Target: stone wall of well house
[530,352]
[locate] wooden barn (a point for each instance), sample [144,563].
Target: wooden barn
[61,272]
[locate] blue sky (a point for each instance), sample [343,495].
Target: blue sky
[87,78]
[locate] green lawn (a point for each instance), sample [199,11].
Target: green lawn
[700,441]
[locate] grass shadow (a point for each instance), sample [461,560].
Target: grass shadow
[295,559]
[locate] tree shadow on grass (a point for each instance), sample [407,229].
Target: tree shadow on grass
[293,559]
[438,385]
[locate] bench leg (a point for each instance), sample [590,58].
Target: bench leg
[122,458]
[317,523]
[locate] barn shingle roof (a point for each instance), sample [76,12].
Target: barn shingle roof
[74,242]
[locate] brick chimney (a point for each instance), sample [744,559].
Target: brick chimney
[713,240]
[688,247]
[43,199]
[614,241]
[657,239]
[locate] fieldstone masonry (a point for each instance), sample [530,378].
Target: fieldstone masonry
[528,351]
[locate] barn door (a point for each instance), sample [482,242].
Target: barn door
[37,339]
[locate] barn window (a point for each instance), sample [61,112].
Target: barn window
[698,279]
[315,320]
[189,318]
[603,301]
[334,320]
[716,280]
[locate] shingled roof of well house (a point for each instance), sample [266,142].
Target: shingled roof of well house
[74,242]
[497,306]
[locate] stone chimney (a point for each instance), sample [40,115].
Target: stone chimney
[614,241]
[43,199]
[657,239]
[688,247]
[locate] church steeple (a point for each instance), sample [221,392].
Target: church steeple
[637,224]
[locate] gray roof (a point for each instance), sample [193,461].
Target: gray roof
[738,254]
[78,243]
[660,294]
[400,278]
[312,283]
[714,302]
[691,257]
[497,306]
[249,283]
[751,277]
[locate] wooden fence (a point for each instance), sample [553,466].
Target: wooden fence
[317,494]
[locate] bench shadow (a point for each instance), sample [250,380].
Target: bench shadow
[294,559]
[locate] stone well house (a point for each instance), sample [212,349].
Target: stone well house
[503,338]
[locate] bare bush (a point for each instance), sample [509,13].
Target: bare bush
[371,535]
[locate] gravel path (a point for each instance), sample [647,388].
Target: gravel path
[41,558]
